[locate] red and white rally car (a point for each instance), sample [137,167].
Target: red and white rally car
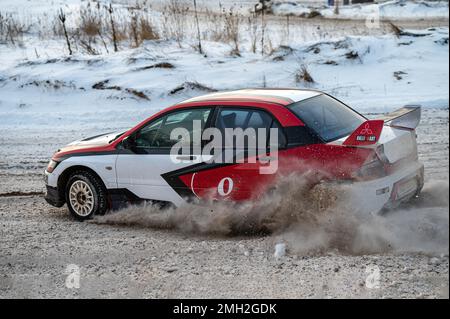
[314,132]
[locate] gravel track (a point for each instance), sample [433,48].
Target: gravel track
[38,244]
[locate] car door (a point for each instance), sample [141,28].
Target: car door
[146,158]
[243,179]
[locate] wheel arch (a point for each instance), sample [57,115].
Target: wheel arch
[65,175]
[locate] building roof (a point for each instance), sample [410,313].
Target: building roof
[278,96]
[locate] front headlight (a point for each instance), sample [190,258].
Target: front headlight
[51,166]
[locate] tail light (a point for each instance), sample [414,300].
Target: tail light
[373,167]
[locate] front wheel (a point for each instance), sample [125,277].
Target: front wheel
[85,195]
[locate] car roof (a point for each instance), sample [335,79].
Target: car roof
[278,96]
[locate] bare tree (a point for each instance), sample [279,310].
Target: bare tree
[113,27]
[253,29]
[287,28]
[262,8]
[175,15]
[11,29]
[200,50]
[134,29]
[62,18]
[263,30]
[232,24]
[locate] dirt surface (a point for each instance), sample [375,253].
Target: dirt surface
[358,26]
[40,243]
[41,246]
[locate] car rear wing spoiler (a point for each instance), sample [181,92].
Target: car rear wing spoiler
[406,117]
[369,132]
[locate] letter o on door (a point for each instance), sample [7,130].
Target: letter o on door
[225,186]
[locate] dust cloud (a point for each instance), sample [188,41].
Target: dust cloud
[310,218]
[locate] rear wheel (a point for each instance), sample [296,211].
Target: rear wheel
[85,195]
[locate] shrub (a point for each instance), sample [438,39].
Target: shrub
[12,29]
[232,24]
[303,75]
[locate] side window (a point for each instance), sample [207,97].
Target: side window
[231,119]
[239,118]
[282,140]
[156,135]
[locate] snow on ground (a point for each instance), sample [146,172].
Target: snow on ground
[397,9]
[36,7]
[372,74]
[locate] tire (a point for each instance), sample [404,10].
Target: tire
[85,195]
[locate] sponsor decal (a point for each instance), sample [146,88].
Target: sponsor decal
[225,186]
[230,146]
[366,134]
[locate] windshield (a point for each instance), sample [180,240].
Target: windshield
[327,117]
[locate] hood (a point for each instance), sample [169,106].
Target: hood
[96,142]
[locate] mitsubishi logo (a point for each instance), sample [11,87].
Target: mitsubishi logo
[366,130]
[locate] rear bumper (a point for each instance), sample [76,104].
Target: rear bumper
[390,191]
[406,188]
[53,197]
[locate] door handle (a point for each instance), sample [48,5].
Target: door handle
[186,157]
[267,158]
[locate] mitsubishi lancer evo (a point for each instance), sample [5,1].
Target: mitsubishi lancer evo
[293,131]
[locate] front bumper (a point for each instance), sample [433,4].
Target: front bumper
[53,195]
[390,191]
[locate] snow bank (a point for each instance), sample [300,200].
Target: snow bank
[398,9]
[40,86]
[371,73]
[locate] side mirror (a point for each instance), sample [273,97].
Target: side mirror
[128,143]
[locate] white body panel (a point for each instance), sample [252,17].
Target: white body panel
[406,117]
[98,163]
[98,140]
[397,143]
[294,95]
[141,174]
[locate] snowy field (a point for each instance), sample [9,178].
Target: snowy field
[44,90]
[393,9]
[48,97]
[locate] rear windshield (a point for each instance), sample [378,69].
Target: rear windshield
[327,117]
